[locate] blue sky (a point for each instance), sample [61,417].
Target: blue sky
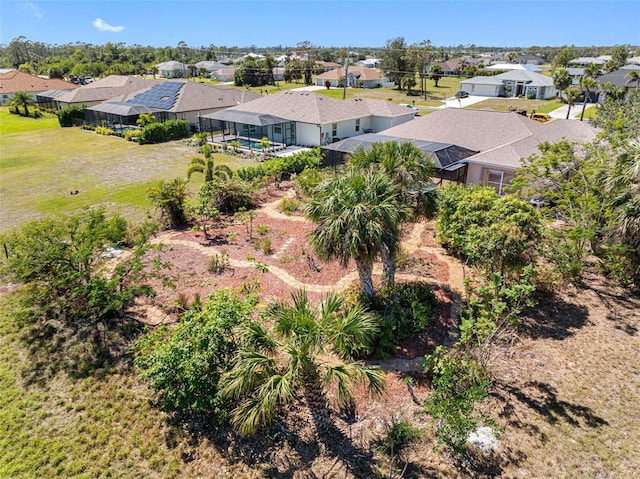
[326,23]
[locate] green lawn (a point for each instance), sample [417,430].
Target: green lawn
[503,104]
[42,163]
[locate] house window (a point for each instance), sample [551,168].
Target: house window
[277,129]
[358,124]
[334,129]
[498,179]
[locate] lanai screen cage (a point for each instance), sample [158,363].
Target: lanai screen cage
[116,115]
[447,158]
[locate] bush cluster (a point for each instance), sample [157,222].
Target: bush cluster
[66,116]
[161,132]
[282,168]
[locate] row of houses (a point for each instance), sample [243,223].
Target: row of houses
[468,146]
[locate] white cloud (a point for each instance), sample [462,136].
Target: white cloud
[33,9]
[105,27]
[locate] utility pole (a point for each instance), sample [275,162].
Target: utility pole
[346,76]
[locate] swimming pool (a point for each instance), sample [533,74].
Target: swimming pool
[245,143]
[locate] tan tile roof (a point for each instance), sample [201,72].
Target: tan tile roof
[502,138]
[13,81]
[309,107]
[106,89]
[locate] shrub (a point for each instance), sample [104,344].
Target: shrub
[184,364]
[262,229]
[229,195]
[403,310]
[161,132]
[66,116]
[101,130]
[458,383]
[218,263]
[497,234]
[289,206]
[62,262]
[400,433]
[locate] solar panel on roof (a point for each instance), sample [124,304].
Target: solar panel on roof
[161,96]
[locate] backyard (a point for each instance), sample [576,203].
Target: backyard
[566,385]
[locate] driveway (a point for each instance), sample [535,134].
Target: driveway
[574,114]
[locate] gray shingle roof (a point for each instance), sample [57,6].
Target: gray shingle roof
[309,107]
[502,138]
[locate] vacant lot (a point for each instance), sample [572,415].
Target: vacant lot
[41,164]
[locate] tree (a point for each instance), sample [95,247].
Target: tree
[22,99]
[421,55]
[435,74]
[496,234]
[303,352]
[145,119]
[63,262]
[394,60]
[633,77]
[411,171]
[355,215]
[570,96]
[564,57]
[409,82]
[587,85]
[561,79]
[185,363]
[208,169]
[169,198]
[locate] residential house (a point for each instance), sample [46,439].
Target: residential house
[171,100]
[103,90]
[225,75]
[511,83]
[620,77]
[328,66]
[361,77]
[452,67]
[303,118]
[209,66]
[529,59]
[491,144]
[172,69]
[585,61]
[14,81]
[512,66]
[369,63]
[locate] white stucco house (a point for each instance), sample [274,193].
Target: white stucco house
[303,118]
[172,69]
[511,83]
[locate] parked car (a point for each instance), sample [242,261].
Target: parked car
[411,107]
[541,117]
[462,94]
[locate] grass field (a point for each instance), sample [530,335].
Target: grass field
[42,163]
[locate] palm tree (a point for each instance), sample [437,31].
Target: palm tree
[633,76]
[561,79]
[303,352]
[588,85]
[435,74]
[356,214]
[169,198]
[411,171]
[571,95]
[22,99]
[621,180]
[207,168]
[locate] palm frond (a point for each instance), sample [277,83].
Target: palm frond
[249,371]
